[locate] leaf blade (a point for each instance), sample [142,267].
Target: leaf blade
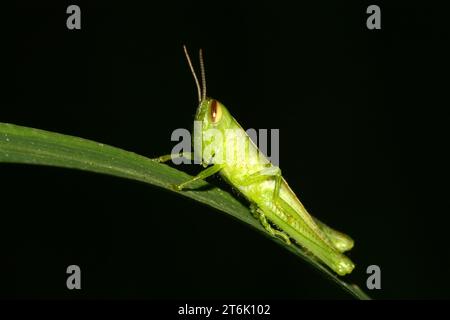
[33,146]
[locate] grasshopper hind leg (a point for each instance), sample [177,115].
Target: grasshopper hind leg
[341,241]
[259,214]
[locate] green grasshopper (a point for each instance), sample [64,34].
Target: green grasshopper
[271,199]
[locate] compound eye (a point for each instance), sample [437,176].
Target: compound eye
[216,111]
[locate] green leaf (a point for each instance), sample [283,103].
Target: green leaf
[32,146]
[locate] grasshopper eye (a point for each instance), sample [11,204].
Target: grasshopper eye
[216,111]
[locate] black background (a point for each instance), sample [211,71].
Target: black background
[352,106]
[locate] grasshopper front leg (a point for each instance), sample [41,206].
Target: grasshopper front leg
[167,157]
[190,156]
[201,176]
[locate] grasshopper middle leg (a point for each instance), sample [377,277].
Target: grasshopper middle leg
[266,174]
[259,214]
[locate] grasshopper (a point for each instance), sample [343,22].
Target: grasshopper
[271,199]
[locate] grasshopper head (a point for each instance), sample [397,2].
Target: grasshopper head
[213,119]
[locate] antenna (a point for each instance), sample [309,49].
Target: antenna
[199,90]
[203,74]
